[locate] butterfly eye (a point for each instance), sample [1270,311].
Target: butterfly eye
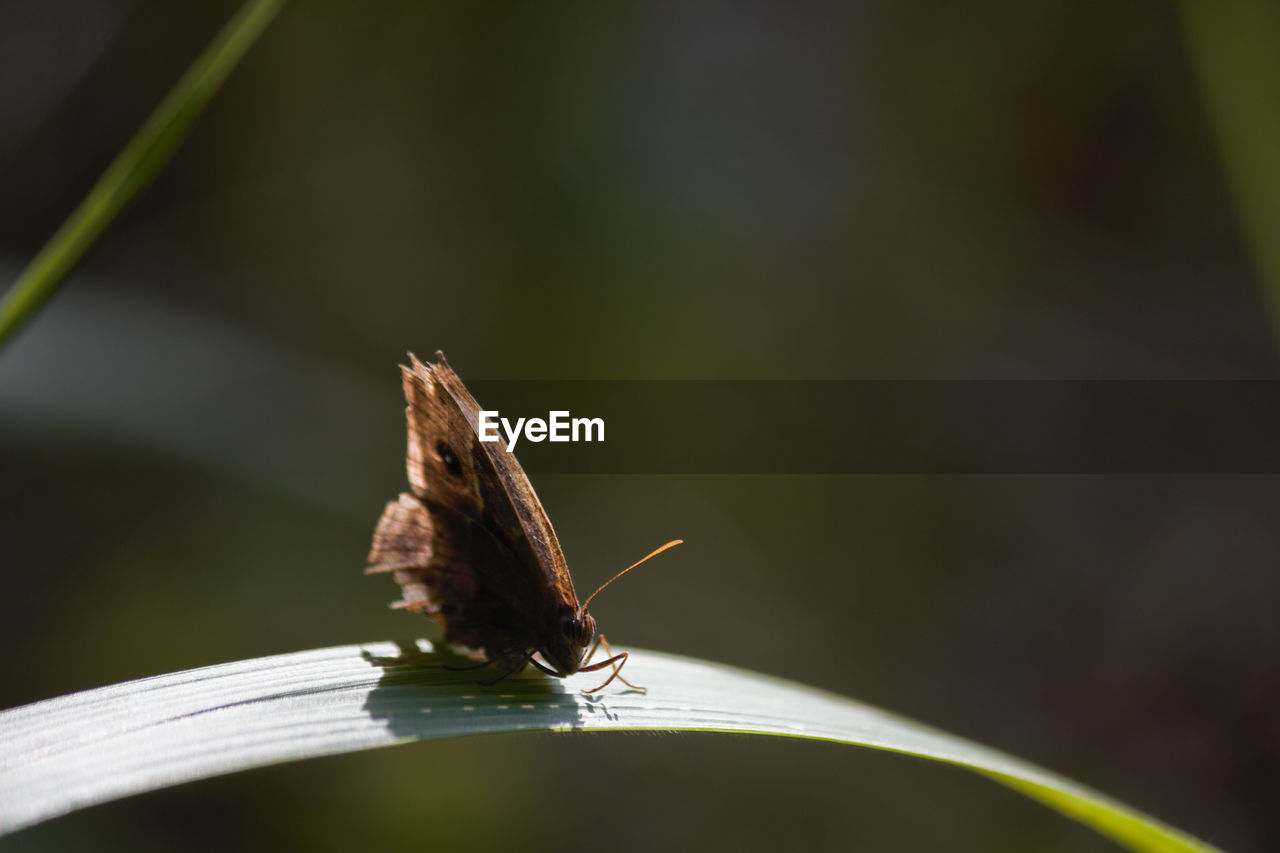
[579,631]
[451,463]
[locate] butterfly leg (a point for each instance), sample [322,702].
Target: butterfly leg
[592,652]
[496,680]
[544,668]
[509,672]
[617,668]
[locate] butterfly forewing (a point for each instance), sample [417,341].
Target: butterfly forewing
[509,499]
[472,546]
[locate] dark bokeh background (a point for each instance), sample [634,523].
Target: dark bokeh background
[199,431]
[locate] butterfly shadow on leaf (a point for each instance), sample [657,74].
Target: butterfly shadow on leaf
[429,691]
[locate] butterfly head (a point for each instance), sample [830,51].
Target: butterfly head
[569,643]
[576,628]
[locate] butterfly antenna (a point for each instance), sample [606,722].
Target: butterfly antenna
[673,543]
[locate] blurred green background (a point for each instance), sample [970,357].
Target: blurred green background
[198,433]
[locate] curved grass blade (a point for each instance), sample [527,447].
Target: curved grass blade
[1235,51]
[135,167]
[99,745]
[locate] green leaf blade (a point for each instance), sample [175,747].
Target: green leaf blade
[99,745]
[135,167]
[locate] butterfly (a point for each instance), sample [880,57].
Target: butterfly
[472,547]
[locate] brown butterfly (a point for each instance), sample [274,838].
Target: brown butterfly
[472,546]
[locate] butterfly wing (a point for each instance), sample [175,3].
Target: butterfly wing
[509,502]
[471,546]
